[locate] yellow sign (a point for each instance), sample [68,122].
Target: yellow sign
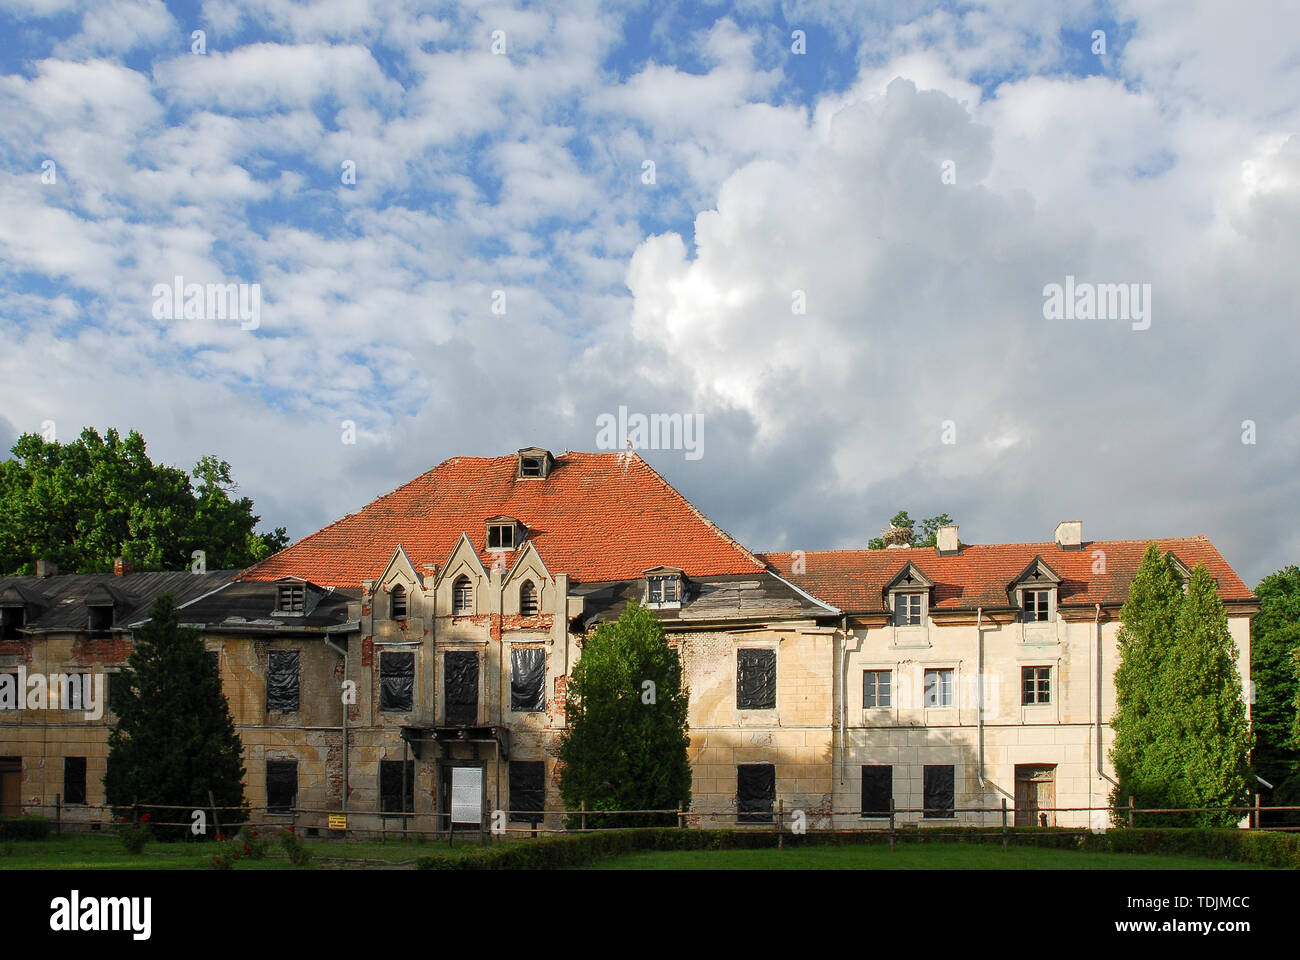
[338,821]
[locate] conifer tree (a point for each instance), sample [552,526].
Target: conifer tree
[174,739]
[625,745]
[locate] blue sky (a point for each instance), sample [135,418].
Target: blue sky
[501,273]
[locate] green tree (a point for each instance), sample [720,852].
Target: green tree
[1275,641]
[1181,735]
[924,533]
[625,745]
[85,503]
[174,739]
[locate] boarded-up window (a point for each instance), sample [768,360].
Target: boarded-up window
[527,680]
[755,792]
[282,681]
[462,597]
[281,785]
[527,789]
[756,679]
[528,599]
[460,687]
[291,598]
[397,682]
[74,779]
[877,790]
[939,783]
[393,796]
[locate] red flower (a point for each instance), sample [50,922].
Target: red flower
[220,837]
[144,818]
[254,833]
[246,848]
[290,829]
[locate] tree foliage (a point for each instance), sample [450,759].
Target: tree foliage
[625,745]
[1275,643]
[1181,734]
[174,738]
[924,533]
[85,503]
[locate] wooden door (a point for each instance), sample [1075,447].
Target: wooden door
[11,775]
[1035,795]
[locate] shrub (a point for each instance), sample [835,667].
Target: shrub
[24,828]
[298,853]
[134,836]
[254,843]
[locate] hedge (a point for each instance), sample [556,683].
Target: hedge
[575,850]
[24,828]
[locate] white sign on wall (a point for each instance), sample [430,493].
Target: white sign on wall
[466,795]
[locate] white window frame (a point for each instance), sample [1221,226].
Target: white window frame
[889,674]
[1051,604]
[952,688]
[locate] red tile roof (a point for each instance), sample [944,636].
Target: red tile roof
[978,575]
[596,517]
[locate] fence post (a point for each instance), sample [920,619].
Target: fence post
[1130,810]
[1256,809]
[216,823]
[891,824]
[780,815]
[584,814]
[681,820]
[58,814]
[1004,824]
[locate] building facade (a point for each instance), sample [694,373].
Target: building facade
[408,663]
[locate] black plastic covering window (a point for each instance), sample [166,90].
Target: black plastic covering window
[282,681]
[281,784]
[390,786]
[460,675]
[877,790]
[938,792]
[756,679]
[755,792]
[397,682]
[74,779]
[527,680]
[527,789]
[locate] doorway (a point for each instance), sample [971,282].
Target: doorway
[1035,794]
[11,775]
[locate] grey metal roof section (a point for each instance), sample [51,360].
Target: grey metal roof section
[756,596]
[249,605]
[60,601]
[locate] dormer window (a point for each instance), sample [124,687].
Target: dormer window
[1034,592]
[12,620]
[909,609]
[665,587]
[1037,606]
[501,536]
[530,467]
[535,462]
[909,596]
[101,620]
[398,602]
[290,598]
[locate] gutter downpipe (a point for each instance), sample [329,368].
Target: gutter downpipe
[979,714]
[844,689]
[346,779]
[1096,637]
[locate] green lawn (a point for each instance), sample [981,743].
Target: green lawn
[936,856]
[105,852]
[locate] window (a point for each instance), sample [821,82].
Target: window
[755,679]
[282,681]
[460,687]
[938,785]
[664,590]
[528,599]
[527,790]
[1035,685]
[908,609]
[281,785]
[527,680]
[397,682]
[394,795]
[290,598]
[530,467]
[877,790]
[1037,605]
[74,779]
[462,597]
[101,620]
[12,620]
[755,792]
[11,698]
[501,536]
[938,688]
[397,600]
[875,688]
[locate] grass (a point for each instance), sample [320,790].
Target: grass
[929,856]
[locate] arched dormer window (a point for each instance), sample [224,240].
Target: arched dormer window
[528,599]
[462,597]
[398,600]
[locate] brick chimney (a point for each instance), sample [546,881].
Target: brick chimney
[945,540]
[122,566]
[46,568]
[1069,535]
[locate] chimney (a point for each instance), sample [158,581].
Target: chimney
[1069,535]
[122,566]
[945,540]
[46,568]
